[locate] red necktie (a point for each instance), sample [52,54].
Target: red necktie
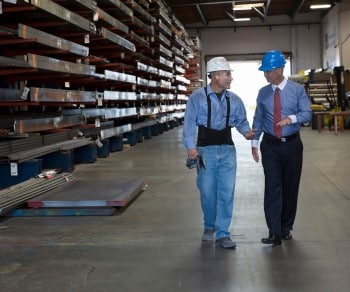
[277,113]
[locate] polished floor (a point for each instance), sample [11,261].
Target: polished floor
[154,245]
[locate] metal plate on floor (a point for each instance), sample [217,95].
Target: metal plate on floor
[90,192]
[46,212]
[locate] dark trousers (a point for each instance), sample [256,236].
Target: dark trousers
[282,163]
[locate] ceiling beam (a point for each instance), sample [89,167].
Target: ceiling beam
[297,6]
[206,2]
[267,7]
[261,14]
[201,14]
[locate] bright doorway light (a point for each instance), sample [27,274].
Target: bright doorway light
[247,80]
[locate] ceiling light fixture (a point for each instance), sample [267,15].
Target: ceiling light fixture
[249,6]
[320,6]
[242,19]
[235,19]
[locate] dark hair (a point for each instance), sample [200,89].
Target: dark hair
[209,76]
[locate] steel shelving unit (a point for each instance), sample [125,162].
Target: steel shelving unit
[72,65]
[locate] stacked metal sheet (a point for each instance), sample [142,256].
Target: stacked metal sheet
[16,196]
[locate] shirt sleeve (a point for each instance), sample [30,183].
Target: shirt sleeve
[190,121]
[304,113]
[258,119]
[238,118]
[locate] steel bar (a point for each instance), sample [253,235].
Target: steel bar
[117,39]
[91,4]
[41,212]
[7,94]
[146,111]
[65,14]
[119,4]
[104,192]
[47,39]
[144,14]
[46,63]
[163,27]
[17,195]
[140,40]
[113,75]
[102,15]
[29,142]
[119,95]
[59,95]
[5,61]
[141,125]
[48,123]
[107,133]
[40,151]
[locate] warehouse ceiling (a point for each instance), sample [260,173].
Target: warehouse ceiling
[204,12]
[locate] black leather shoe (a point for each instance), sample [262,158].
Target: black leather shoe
[272,239]
[286,235]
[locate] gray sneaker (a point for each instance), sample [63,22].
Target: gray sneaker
[225,242]
[208,235]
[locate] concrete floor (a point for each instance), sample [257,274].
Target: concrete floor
[154,245]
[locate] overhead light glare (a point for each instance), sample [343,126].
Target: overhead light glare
[320,6]
[249,6]
[242,19]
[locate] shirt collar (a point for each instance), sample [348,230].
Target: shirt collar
[281,86]
[209,90]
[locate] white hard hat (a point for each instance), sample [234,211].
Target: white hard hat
[218,64]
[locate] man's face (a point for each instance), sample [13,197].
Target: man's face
[223,79]
[274,76]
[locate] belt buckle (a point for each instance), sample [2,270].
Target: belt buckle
[283,139]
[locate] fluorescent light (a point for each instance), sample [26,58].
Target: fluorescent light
[320,6]
[242,19]
[242,7]
[249,6]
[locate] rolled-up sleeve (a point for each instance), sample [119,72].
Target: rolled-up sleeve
[190,122]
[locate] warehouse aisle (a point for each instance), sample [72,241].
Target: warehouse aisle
[154,245]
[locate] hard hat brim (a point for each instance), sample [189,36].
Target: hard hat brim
[219,70]
[265,69]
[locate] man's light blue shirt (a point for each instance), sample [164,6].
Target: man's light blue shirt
[196,114]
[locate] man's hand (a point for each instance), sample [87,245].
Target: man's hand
[192,153]
[255,153]
[284,122]
[250,134]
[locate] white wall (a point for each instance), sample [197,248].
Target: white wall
[336,37]
[344,34]
[330,39]
[303,41]
[312,46]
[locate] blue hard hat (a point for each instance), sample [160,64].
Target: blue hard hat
[272,60]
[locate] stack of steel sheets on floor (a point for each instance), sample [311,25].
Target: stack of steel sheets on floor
[16,196]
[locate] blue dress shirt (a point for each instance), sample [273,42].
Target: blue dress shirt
[295,104]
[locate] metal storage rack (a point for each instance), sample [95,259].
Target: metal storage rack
[76,64]
[322,90]
[193,72]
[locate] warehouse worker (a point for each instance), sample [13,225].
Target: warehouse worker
[281,107]
[215,110]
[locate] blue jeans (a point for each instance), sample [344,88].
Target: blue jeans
[216,184]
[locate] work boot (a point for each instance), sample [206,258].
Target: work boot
[208,235]
[225,242]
